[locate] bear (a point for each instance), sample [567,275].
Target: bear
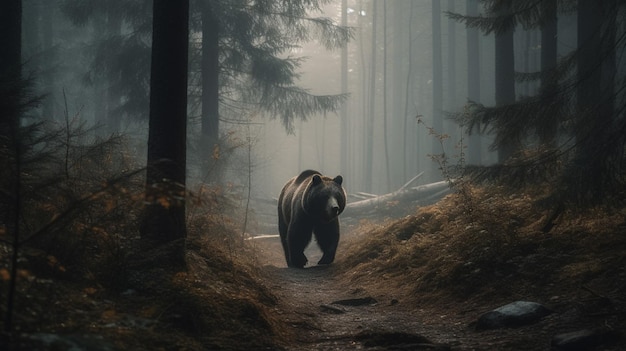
[310,203]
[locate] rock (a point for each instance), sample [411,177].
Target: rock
[585,339]
[515,314]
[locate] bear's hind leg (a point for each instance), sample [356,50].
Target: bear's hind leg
[327,236]
[282,229]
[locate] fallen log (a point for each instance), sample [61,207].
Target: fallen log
[401,198]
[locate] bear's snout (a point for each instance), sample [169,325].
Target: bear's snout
[333,208]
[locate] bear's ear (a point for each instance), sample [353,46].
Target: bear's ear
[338,179]
[317,179]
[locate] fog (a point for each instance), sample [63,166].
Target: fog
[90,66]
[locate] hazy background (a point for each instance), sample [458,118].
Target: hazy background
[389,79]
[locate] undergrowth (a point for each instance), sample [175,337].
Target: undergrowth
[496,251]
[78,270]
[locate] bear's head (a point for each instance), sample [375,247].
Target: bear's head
[325,198]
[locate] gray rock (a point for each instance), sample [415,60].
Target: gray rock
[515,314]
[582,339]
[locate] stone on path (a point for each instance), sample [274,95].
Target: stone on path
[515,314]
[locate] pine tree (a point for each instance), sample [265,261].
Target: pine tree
[164,216]
[578,114]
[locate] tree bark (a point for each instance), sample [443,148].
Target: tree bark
[474,156]
[505,84]
[369,142]
[598,149]
[437,124]
[384,89]
[547,131]
[210,87]
[164,216]
[11,87]
[10,65]
[343,114]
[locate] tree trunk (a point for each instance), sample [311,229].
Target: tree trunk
[113,96]
[505,84]
[10,65]
[547,130]
[474,156]
[47,33]
[596,152]
[385,116]
[437,124]
[400,31]
[369,141]
[10,100]
[451,59]
[343,114]
[164,216]
[210,89]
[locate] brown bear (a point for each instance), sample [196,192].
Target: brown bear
[310,204]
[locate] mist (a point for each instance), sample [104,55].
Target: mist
[144,145]
[92,66]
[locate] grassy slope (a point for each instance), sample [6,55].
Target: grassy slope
[476,250]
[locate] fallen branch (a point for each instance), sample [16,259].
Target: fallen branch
[399,198]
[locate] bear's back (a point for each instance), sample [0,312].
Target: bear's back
[305,175]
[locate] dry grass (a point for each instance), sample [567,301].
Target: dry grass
[484,245]
[80,272]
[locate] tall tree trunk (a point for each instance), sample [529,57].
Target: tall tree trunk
[10,65]
[399,32]
[408,156]
[449,127]
[210,88]
[437,83]
[343,114]
[451,59]
[474,156]
[47,27]
[113,96]
[596,150]
[385,122]
[369,142]
[10,100]
[548,129]
[505,84]
[164,216]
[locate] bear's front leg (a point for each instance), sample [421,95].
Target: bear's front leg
[327,236]
[298,237]
[297,260]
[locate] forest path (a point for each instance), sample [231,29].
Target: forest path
[328,313]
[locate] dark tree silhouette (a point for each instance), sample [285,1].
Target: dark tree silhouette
[164,216]
[10,63]
[210,80]
[548,130]
[505,85]
[437,81]
[10,97]
[578,114]
[474,156]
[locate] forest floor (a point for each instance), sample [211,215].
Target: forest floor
[415,283]
[327,312]
[421,282]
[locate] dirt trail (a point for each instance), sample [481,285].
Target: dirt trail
[328,314]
